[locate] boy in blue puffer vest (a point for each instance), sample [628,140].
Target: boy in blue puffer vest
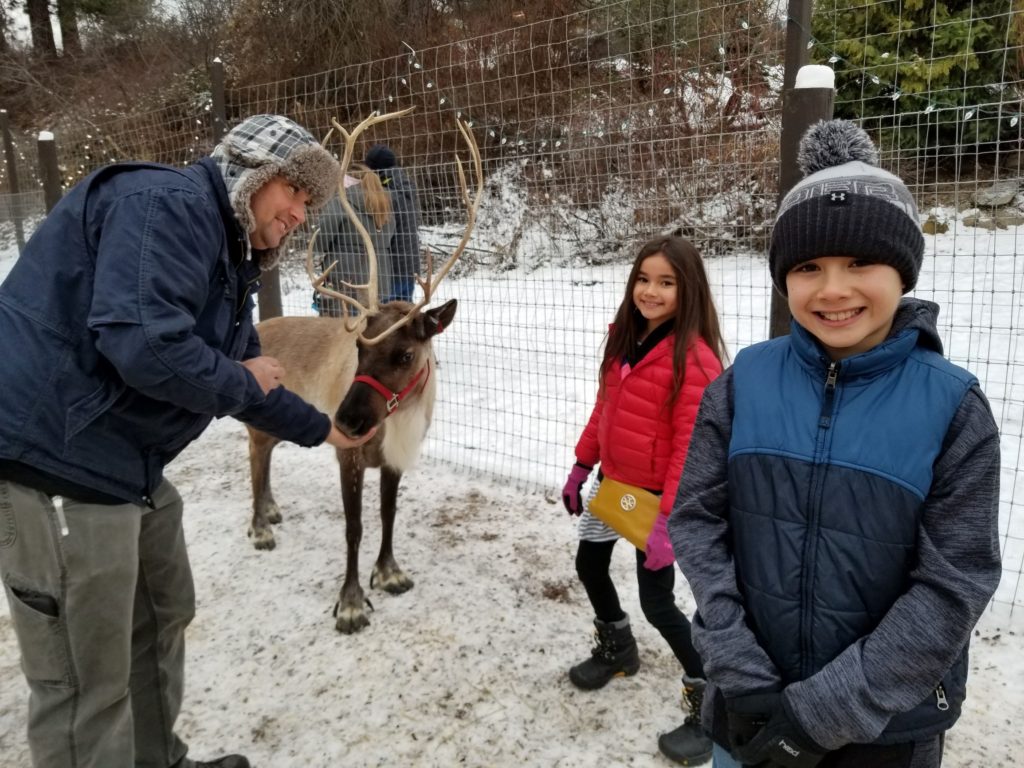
[837,519]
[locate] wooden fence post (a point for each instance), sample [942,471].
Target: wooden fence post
[220,118]
[798,25]
[809,100]
[269,297]
[48,169]
[17,209]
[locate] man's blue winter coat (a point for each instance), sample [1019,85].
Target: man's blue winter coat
[120,330]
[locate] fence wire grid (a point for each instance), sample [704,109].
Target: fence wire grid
[603,128]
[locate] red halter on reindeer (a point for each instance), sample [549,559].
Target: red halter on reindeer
[374,368]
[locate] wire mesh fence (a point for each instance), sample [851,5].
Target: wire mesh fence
[603,128]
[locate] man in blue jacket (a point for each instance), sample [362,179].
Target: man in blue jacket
[125,327]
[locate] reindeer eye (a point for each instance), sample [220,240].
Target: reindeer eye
[405,357]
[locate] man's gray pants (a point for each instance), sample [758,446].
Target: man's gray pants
[100,610]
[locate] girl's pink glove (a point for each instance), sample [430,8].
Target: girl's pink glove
[659,547]
[572,496]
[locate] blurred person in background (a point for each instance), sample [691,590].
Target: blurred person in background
[404,246]
[340,243]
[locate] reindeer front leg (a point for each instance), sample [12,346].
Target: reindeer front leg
[264,509]
[386,573]
[350,612]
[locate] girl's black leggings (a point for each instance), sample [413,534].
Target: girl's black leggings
[657,599]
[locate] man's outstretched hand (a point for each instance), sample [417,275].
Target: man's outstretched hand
[339,439]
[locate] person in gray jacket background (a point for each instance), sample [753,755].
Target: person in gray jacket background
[404,245]
[837,518]
[340,243]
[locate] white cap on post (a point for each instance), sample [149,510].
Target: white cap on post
[815,76]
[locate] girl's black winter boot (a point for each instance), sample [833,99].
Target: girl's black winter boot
[688,744]
[614,655]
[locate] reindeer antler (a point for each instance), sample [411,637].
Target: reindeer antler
[471,210]
[431,283]
[372,304]
[472,206]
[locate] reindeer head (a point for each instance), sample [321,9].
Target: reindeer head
[397,369]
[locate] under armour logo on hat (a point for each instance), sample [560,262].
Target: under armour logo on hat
[837,197]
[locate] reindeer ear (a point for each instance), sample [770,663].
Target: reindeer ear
[436,320]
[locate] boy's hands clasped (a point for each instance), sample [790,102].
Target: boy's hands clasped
[572,496]
[763,733]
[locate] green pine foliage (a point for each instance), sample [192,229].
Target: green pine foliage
[945,75]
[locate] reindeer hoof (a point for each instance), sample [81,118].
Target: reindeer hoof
[273,513]
[391,580]
[350,620]
[262,538]
[399,586]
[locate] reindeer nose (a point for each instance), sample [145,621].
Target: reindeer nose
[356,415]
[355,427]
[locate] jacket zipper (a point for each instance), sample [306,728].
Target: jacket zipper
[941,702]
[825,420]
[255,281]
[814,511]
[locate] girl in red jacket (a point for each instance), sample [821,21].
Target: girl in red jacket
[662,351]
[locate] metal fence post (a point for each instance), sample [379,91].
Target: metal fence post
[48,169]
[12,181]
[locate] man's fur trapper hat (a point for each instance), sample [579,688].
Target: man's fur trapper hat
[262,147]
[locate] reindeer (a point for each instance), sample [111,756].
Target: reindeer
[375,368]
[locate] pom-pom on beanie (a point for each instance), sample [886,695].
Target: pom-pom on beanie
[845,206]
[380,157]
[262,147]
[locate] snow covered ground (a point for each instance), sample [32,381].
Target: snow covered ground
[469,667]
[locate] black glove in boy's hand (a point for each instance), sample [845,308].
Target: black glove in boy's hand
[747,715]
[782,741]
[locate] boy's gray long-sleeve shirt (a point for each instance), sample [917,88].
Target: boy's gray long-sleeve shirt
[897,665]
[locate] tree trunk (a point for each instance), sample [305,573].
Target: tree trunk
[67,15]
[42,30]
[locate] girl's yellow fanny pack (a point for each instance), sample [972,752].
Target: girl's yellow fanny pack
[628,510]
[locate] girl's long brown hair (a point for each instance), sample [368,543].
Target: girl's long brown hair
[695,310]
[378,201]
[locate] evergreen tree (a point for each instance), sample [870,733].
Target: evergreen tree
[936,74]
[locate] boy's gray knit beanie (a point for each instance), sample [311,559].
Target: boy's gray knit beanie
[845,206]
[262,147]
